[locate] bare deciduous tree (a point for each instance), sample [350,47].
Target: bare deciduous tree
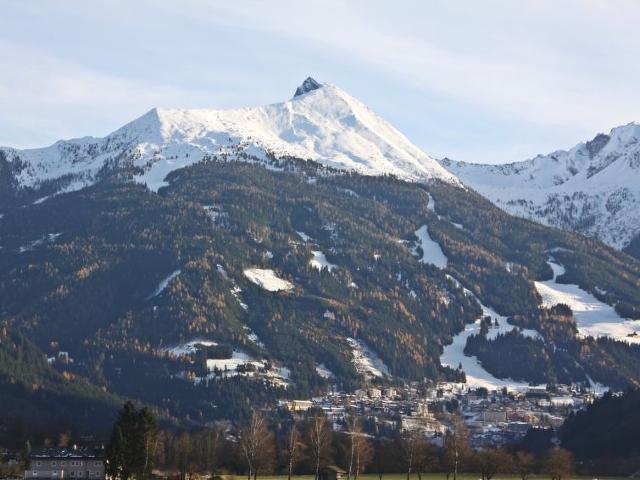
[294,448]
[558,463]
[524,464]
[362,452]
[256,445]
[491,461]
[409,441]
[319,438]
[364,456]
[183,454]
[424,456]
[353,429]
[457,448]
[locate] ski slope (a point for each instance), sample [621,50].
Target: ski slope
[593,317]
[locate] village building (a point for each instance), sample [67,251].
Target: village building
[66,463]
[297,405]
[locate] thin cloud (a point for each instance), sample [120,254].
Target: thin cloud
[525,80]
[50,97]
[540,74]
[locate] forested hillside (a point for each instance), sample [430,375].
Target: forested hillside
[295,271]
[605,435]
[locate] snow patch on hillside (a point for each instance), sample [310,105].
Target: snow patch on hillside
[431,251]
[164,283]
[365,360]
[214,212]
[304,236]
[232,367]
[593,317]
[222,271]
[320,262]
[41,200]
[267,279]
[47,238]
[229,365]
[431,206]
[453,354]
[236,291]
[348,191]
[253,337]
[323,371]
[190,347]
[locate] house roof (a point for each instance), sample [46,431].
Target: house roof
[76,452]
[334,468]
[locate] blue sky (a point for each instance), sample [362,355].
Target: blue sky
[480,81]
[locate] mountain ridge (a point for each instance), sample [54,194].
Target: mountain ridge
[592,188]
[324,124]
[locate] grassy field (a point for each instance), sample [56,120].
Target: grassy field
[428,476]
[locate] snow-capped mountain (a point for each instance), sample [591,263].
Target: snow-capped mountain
[593,189]
[321,122]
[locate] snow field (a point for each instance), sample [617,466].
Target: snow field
[267,279]
[593,317]
[431,251]
[365,360]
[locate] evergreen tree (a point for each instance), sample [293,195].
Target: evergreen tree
[133,443]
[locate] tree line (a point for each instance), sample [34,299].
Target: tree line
[308,445]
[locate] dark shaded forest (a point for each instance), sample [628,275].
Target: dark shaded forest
[606,436]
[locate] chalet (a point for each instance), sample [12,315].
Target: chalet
[66,463]
[332,472]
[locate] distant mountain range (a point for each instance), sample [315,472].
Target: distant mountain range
[593,188]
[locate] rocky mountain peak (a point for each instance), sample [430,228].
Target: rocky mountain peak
[597,144]
[307,86]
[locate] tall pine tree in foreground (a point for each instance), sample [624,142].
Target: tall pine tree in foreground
[133,444]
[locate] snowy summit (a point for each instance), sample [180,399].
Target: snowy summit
[593,188]
[321,123]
